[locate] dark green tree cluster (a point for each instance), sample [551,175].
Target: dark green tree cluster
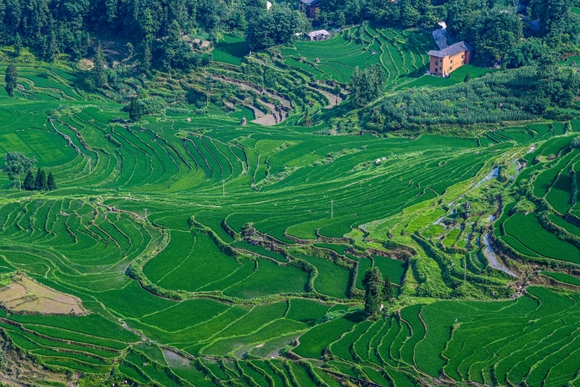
[497,32]
[135,110]
[274,27]
[39,183]
[493,32]
[556,88]
[51,27]
[559,25]
[11,79]
[15,164]
[366,85]
[407,13]
[377,290]
[175,53]
[98,73]
[341,12]
[512,95]
[140,107]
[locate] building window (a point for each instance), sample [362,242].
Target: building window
[436,62]
[451,61]
[450,68]
[462,56]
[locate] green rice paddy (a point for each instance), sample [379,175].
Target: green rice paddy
[236,256]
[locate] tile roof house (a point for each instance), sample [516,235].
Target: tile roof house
[445,61]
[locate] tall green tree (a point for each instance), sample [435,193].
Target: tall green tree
[99,74]
[15,164]
[11,79]
[44,185]
[461,15]
[388,292]
[366,85]
[40,181]
[49,47]
[551,13]
[373,283]
[494,34]
[135,110]
[17,45]
[274,27]
[29,182]
[147,56]
[51,184]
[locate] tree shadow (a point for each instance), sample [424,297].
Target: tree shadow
[236,49]
[356,317]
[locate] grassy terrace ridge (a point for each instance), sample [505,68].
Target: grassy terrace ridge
[208,252]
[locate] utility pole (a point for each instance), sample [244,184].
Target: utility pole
[223,188]
[331,208]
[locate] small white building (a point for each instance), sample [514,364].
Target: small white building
[318,35]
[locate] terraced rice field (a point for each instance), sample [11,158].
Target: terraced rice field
[401,54]
[235,256]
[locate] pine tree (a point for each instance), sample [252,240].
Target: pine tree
[17,45]
[99,75]
[11,79]
[388,292]
[29,182]
[467,77]
[38,180]
[51,49]
[43,184]
[372,303]
[372,281]
[50,182]
[147,56]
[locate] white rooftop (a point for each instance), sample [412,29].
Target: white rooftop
[318,32]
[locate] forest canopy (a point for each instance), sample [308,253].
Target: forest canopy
[157,28]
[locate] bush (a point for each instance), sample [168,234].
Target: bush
[515,95]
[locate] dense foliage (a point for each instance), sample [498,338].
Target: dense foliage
[15,164]
[52,26]
[273,28]
[183,226]
[366,85]
[496,31]
[11,78]
[504,96]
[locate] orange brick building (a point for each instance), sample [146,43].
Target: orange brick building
[445,61]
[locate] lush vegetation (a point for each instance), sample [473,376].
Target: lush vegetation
[188,237]
[217,229]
